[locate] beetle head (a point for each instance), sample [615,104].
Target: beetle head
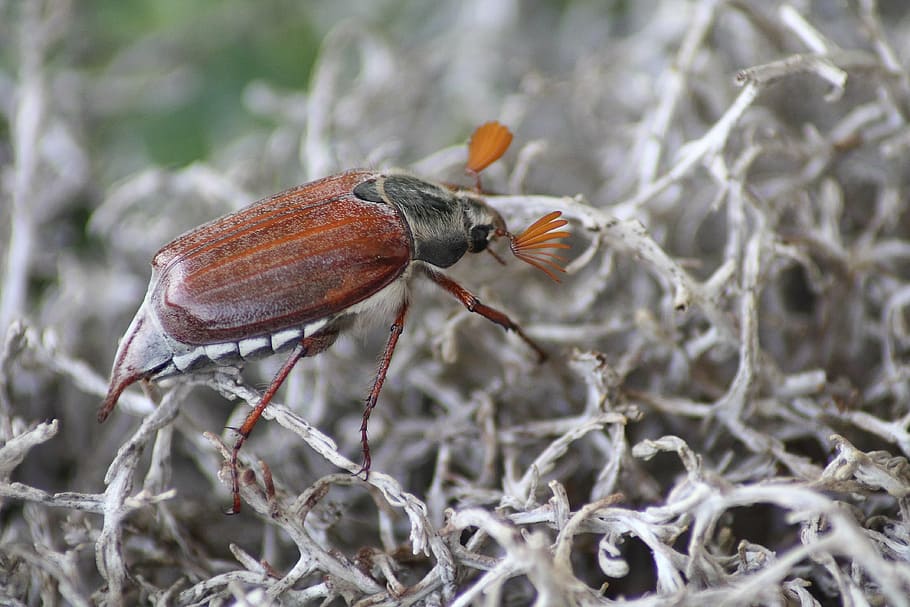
[482,223]
[534,246]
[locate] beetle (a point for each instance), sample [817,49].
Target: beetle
[292,272]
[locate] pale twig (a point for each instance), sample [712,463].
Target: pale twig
[28,121]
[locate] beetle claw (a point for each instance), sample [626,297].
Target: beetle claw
[365,466]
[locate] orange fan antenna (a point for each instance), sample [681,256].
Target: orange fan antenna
[488,143]
[533,246]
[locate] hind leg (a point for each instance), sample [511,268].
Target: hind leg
[308,346]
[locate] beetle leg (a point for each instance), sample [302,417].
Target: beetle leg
[394,333]
[473,304]
[308,346]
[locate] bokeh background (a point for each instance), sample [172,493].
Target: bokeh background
[723,416]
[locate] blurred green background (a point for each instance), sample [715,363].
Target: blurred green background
[225,45]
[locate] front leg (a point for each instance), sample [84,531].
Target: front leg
[473,304]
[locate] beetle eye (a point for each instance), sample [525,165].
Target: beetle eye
[480,237]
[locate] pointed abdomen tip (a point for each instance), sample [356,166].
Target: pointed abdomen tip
[110,401]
